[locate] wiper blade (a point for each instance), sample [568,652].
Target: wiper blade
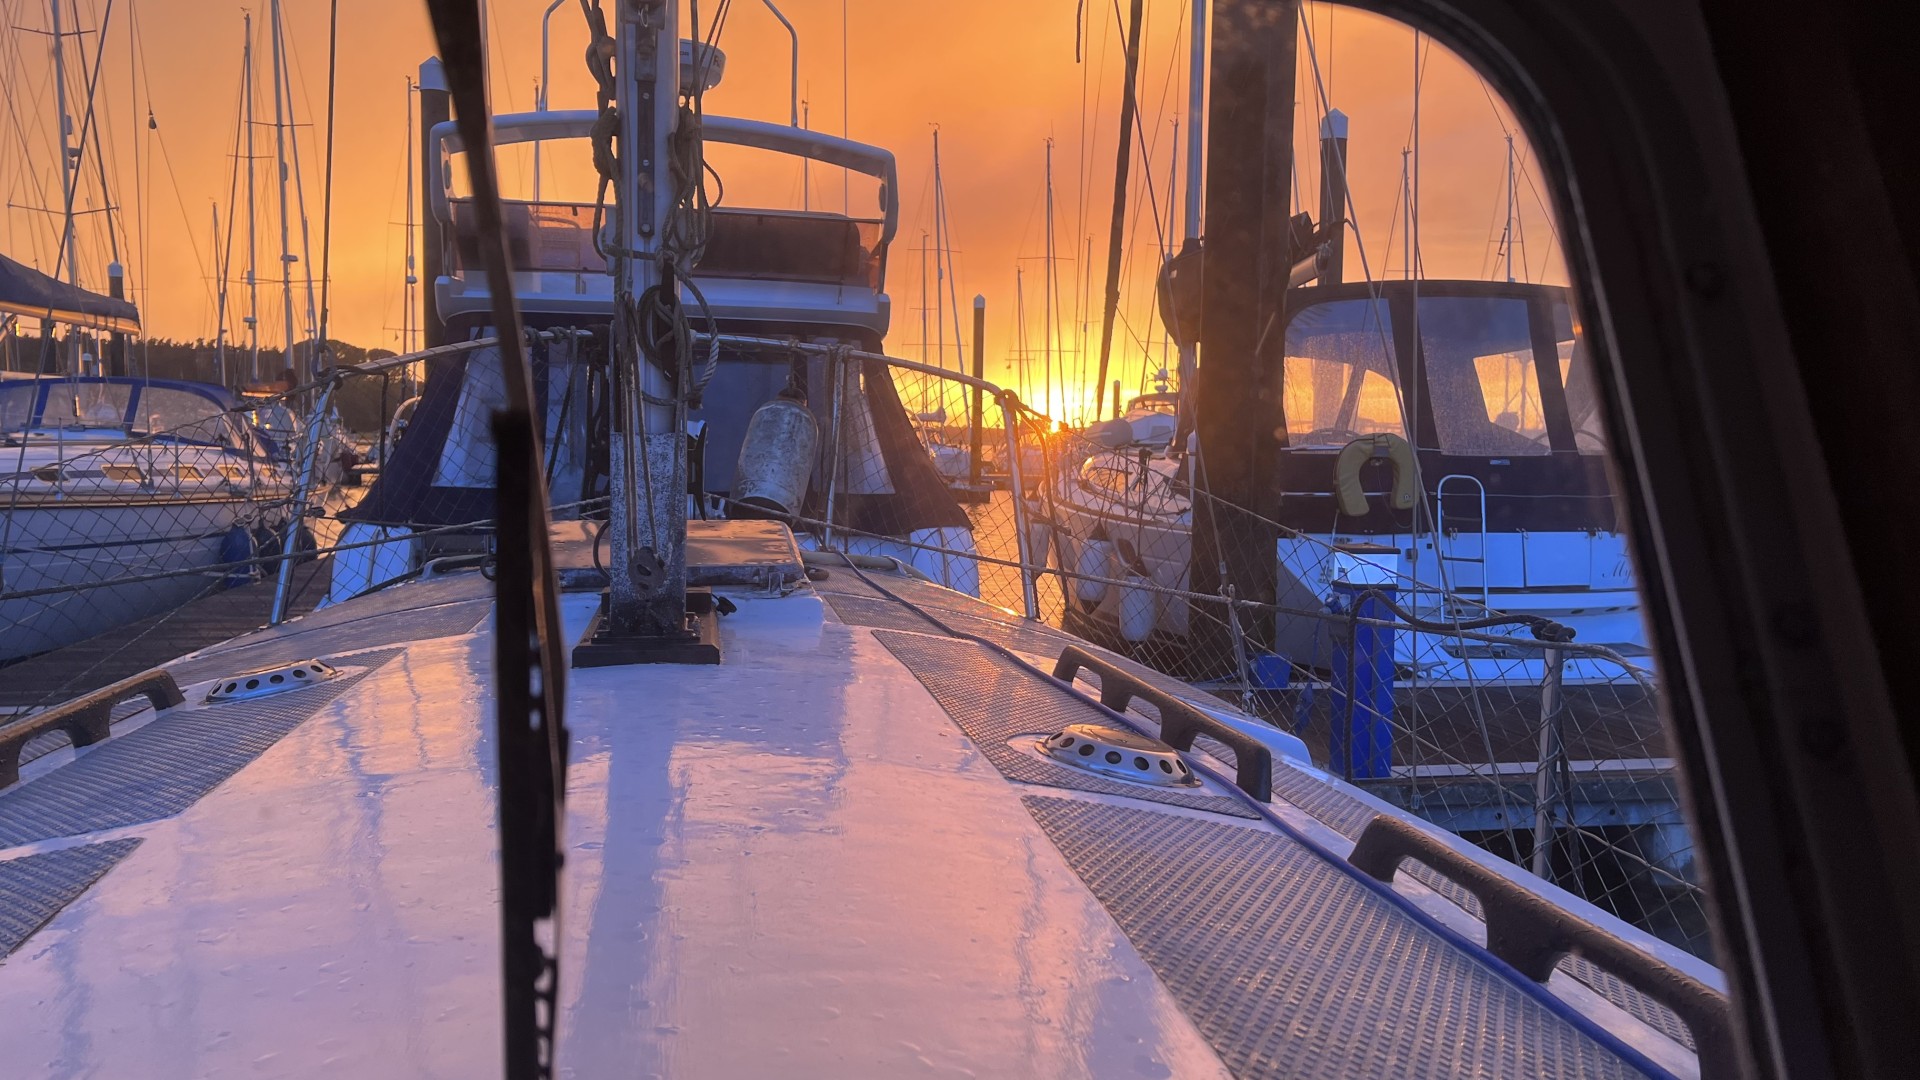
[528,657]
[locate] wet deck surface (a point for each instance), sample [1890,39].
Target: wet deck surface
[50,678]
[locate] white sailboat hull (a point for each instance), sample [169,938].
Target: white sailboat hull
[1125,539]
[86,549]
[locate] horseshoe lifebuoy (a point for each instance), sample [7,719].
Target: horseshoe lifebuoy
[1346,472]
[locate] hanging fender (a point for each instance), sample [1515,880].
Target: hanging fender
[1346,472]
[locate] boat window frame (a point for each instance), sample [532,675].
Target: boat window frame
[1660,141]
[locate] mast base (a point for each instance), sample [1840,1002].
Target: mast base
[697,642]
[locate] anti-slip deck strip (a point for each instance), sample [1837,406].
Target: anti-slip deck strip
[295,642]
[166,766]
[1323,801]
[33,888]
[1349,816]
[884,614]
[993,700]
[1291,968]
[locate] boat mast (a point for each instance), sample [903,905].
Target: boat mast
[953,298]
[939,263]
[1050,289]
[412,278]
[647,597]
[69,155]
[1116,239]
[315,345]
[1020,323]
[253,245]
[924,340]
[220,302]
[1250,120]
[1166,249]
[280,160]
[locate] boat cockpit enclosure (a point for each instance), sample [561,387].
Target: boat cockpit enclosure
[1488,381]
[116,408]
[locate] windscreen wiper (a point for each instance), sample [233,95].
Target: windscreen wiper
[529,660]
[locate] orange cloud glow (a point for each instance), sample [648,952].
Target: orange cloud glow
[998,78]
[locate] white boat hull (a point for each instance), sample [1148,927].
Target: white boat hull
[1602,607]
[83,548]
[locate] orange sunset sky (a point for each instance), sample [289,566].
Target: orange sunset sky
[998,77]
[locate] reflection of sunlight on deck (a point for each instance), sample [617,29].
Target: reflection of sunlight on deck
[787,817]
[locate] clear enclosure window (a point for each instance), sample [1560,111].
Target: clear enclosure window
[179,414]
[1478,356]
[1576,376]
[1340,380]
[16,405]
[88,404]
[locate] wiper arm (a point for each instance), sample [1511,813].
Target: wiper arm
[528,656]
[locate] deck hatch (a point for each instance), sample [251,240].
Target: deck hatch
[265,682]
[994,701]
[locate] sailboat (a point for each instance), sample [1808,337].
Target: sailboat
[1442,446]
[744,809]
[114,488]
[812,276]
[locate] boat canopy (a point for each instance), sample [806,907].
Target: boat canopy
[26,291]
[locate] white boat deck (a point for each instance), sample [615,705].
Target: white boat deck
[794,864]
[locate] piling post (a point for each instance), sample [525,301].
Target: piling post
[979,373]
[1546,776]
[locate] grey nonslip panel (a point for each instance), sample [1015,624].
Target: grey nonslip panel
[1328,804]
[880,613]
[1291,967]
[928,594]
[1007,631]
[1349,816]
[166,766]
[33,888]
[842,581]
[992,700]
[1010,632]
[1631,1001]
[48,741]
[295,642]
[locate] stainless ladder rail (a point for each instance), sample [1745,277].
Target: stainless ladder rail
[1444,530]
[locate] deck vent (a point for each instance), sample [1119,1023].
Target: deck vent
[1122,754]
[273,680]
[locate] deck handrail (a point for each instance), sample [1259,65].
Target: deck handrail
[86,719]
[1533,933]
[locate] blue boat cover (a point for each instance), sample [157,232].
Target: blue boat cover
[26,291]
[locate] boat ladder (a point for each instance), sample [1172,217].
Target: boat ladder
[1447,528]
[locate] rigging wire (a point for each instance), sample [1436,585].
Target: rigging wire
[326,212]
[1117,238]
